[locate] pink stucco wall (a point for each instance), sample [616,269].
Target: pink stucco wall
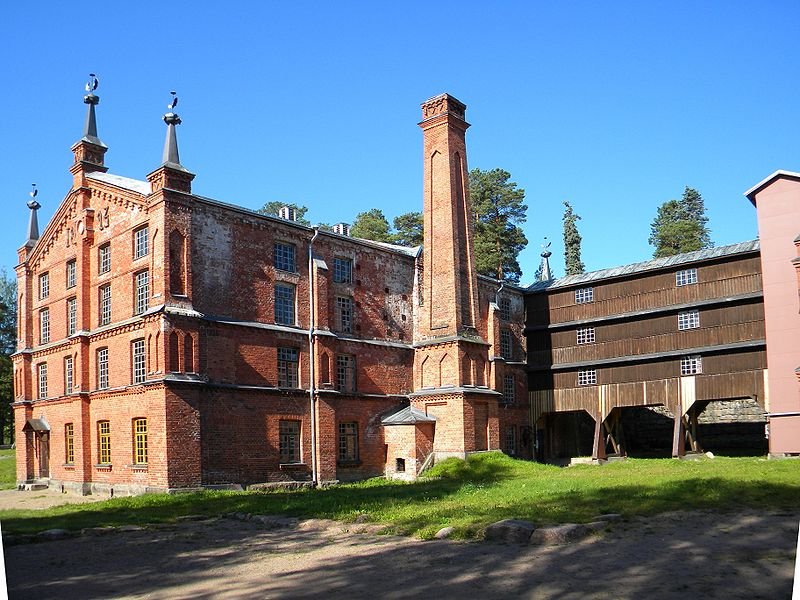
[778,208]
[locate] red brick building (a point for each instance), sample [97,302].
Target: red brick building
[167,340]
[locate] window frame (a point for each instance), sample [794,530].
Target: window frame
[141,288]
[691,365]
[71,274]
[138,361]
[686,277]
[44,325]
[344,311]
[284,257]
[348,453]
[69,375]
[101,363]
[285,306]
[587,377]
[41,379]
[510,440]
[290,441]
[139,430]
[141,242]
[69,443]
[104,305]
[104,258]
[689,319]
[288,367]
[342,269]
[44,285]
[509,389]
[504,308]
[346,373]
[585,335]
[584,295]
[72,316]
[506,344]
[104,442]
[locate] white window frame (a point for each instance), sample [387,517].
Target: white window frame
[342,269]
[686,277]
[105,304]
[587,377]
[41,373]
[142,291]
[44,285]
[72,315]
[584,295]
[138,361]
[688,319]
[584,335]
[141,242]
[345,309]
[102,368]
[104,258]
[69,375]
[691,365]
[44,326]
[72,273]
[285,257]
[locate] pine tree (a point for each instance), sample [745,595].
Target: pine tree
[408,229]
[680,226]
[572,242]
[273,208]
[498,207]
[371,225]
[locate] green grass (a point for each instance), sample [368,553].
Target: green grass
[469,495]
[8,472]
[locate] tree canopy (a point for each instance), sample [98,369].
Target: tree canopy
[273,208]
[572,242]
[408,229]
[8,343]
[498,207]
[371,225]
[680,226]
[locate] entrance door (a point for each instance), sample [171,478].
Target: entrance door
[44,455]
[481,426]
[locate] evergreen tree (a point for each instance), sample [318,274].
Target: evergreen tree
[572,242]
[371,225]
[273,208]
[680,226]
[498,207]
[8,343]
[408,229]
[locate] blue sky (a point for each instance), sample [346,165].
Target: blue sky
[614,106]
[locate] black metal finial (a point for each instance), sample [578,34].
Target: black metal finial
[32,203]
[546,273]
[33,222]
[170,154]
[91,100]
[91,86]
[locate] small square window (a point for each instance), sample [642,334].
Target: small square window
[284,304]
[689,319]
[584,295]
[71,274]
[691,365]
[587,377]
[686,277]
[104,259]
[141,243]
[342,270]
[585,335]
[289,442]
[44,286]
[284,257]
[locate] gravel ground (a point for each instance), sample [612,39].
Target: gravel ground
[674,555]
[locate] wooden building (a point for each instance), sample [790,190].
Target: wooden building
[678,332]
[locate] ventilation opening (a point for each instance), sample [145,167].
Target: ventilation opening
[400,465]
[342,229]
[288,213]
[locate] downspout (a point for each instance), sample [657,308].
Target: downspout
[312,360]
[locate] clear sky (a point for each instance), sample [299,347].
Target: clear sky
[614,106]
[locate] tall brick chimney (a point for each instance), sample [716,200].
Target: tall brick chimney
[450,305]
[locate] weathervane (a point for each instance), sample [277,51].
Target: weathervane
[171,106]
[172,118]
[546,248]
[92,84]
[32,203]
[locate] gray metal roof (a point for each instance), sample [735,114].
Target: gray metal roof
[407,416]
[126,183]
[650,265]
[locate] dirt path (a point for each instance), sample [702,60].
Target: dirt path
[10,499]
[680,555]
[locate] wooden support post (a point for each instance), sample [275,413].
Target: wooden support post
[599,445]
[678,437]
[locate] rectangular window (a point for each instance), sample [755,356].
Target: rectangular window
[505,309]
[348,442]
[42,376]
[44,286]
[584,295]
[509,389]
[689,319]
[104,259]
[587,377]
[287,368]
[585,335]
[140,441]
[103,442]
[344,314]
[511,440]
[141,242]
[290,442]
[69,375]
[686,277]
[284,304]
[506,344]
[71,274]
[44,326]
[138,360]
[346,373]
[69,444]
[142,291]
[102,368]
[105,304]
[72,316]
[342,270]
[284,257]
[691,365]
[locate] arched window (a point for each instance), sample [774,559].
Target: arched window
[188,354]
[174,365]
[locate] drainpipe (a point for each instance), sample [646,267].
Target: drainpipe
[312,360]
[497,293]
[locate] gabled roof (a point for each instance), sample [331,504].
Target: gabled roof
[779,174]
[650,265]
[407,416]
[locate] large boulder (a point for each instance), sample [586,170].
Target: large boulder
[509,531]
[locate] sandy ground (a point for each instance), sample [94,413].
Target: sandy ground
[10,499]
[676,555]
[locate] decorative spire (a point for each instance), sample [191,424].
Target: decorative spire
[170,157]
[546,274]
[91,100]
[33,223]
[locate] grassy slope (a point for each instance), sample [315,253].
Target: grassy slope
[8,465]
[470,495]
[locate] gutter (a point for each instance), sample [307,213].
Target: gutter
[312,361]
